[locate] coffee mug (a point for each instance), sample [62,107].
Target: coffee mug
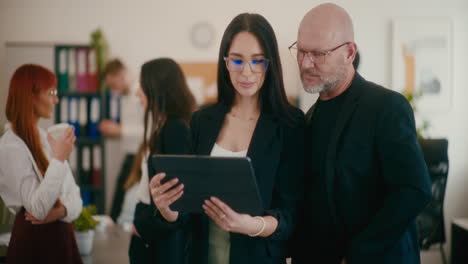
[57,130]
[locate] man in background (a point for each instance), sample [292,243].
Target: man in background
[125,122]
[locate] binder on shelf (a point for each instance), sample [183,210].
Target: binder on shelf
[83,116]
[87,197]
[97,165]
[82,70]
[73,114]
[63,113]
[61,68]
[85,175]
[92,71]
[81,106]
[72,70]
[95,113]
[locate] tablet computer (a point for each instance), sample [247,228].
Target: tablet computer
[230,179]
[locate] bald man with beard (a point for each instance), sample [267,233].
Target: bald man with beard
[366,179]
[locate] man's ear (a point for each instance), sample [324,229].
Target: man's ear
[351,52]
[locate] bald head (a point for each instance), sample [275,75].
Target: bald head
[324,26]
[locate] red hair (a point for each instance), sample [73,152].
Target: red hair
[25,85]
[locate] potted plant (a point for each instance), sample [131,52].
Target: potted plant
[421,129]
[84,229]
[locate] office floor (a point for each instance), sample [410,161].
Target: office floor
[427,257]
[432,257]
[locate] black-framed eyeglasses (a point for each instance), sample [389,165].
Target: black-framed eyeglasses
[235,64]
[315,56]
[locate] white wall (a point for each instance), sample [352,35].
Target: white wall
[142,30]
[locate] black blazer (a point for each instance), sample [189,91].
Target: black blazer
[157,244]
[276,151]
[376,181]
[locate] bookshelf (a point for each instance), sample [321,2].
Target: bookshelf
[82,105]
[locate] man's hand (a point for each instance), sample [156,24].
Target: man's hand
[110,128]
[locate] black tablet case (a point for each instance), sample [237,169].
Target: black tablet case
[231,179]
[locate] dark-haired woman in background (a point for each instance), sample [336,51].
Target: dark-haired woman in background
[35,178]
[251,118]
[168,107]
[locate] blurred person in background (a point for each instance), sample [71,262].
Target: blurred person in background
[123,121]
[168,107]
[35,178]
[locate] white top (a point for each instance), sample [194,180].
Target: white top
[138,192]
[219,151]
[143,194]
[219,242]
[23,185]
[131,121]
[125,218]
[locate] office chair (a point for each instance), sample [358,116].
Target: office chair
[431,220]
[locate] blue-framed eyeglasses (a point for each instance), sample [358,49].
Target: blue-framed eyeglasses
[236,64]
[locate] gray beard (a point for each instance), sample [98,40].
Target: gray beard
[323,87]
[315,89]
[327,85]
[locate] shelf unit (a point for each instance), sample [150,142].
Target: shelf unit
[82,105]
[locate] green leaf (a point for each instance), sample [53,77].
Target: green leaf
[85,221]
[412,98]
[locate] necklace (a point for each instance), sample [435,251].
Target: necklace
[252,118]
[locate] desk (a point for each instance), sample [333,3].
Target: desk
[459,252]
[109,246]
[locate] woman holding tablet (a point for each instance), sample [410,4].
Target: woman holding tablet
[35,178]
[253,118]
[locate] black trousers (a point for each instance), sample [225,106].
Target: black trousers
[140,252]
[119,192]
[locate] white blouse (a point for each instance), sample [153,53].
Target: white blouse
[131,121]
[143,193]
[23,185]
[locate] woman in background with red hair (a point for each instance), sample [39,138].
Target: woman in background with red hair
[35,178]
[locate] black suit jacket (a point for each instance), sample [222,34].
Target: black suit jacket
[376,182]
[157,244]
[276,151]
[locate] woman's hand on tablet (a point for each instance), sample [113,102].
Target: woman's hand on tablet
[164,194]
[231,221]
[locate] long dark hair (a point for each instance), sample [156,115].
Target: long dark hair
[272,97]
[169,97]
